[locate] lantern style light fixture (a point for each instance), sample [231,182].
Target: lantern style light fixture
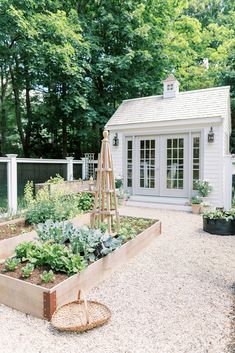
[116,140]
[211,135]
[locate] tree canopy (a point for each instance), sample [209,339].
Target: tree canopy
[66,66]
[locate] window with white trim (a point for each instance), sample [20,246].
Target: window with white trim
[170,87]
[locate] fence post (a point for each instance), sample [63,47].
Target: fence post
[84,168]
[228,169]
[12,182]
[69,168]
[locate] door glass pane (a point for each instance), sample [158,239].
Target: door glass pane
[129,163]
[175,163]
[196,158]
[147,164]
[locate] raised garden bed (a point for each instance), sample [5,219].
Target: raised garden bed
[42,302]
[11,236]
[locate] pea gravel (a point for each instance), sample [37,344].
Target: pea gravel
[174,297]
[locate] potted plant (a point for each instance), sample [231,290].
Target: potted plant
[219,222]
[203,187]
[118,184]
[122,197]
[196,204]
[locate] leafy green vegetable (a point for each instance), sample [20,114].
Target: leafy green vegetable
[56,256]
[47,276]
[27,270]
[11,264]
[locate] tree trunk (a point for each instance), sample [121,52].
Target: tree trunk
[16,92]
[64,138]
[29,113]
[3,112]
[64,127]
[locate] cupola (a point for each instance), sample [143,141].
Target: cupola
[170,87]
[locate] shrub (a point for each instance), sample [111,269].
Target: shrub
[58,179]
[85,201]
[57,207]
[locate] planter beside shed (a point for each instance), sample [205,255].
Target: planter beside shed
[219,226]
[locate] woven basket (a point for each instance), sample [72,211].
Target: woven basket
[80,315]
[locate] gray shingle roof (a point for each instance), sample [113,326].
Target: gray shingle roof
[211,102]
[170,78]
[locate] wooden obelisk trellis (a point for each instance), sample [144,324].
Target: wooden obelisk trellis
[105,203]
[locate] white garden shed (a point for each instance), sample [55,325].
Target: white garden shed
[161,144]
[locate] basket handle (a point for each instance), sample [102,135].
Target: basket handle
[85,304]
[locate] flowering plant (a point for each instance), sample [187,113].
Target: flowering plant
[203,187]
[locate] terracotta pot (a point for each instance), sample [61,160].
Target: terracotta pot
[196,208]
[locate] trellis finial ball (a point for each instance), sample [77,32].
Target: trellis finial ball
[105,134]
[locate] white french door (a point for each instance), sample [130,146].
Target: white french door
[161,165]
[147,175]
[174,165]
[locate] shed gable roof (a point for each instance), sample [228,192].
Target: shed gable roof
[211,102]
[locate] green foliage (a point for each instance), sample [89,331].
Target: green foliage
[93,243]
[57,257]
[47,276]
[226,215]
[27,270]
[44,206]
[58,232]
[196,200]
[203,187]
[66,65]
[28,194]
[85,201]
[118,183]
[11,264]
[58,179]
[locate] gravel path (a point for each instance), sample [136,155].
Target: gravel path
[174,297]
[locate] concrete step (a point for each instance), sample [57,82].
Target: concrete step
[159,205]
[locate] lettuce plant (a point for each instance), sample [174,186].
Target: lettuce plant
[27,270]
[47,276]
[11,264]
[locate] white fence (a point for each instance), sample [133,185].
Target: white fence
[12,161]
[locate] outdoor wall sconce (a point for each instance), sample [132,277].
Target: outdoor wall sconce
[116,140]
[211,135]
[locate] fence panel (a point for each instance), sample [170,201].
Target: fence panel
[3,186]
[38,173]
